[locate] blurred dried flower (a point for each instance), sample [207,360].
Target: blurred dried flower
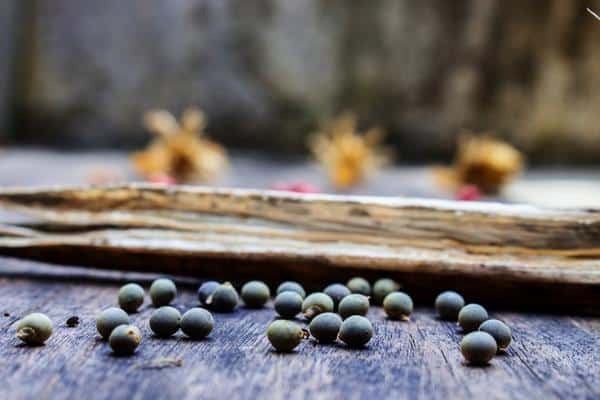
[179,150]
[348,156]
[482,161]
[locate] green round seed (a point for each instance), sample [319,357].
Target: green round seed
[255,294]
[499,331]
[207,289]
[284,335]
[354,304]
[398,305]
[382,288]
[109,319]
[288,304]
[34,329]
[356,331]
[325,327]
[165,321]
[478,348]
[162,292]
[337,292]
[291,286]
[197,323]
[360,286]
[471,317]
[131,297]
[315,304]
[224,299]
[448,305]
[124,339]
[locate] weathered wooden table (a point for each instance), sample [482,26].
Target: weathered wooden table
[551,357]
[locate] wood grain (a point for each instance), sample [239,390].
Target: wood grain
[518,255]
[470,224]
[552,357]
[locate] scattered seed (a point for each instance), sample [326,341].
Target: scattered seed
[359,285]
[337,292]
[109,319]
[354,304]
[471,317]
[291,286]
[398,305]
[131,297]
[288,304]
[356,331]
[448,305]
[325,327]
[34,329]
[162,292]
[165,321]
[124,339]
[255,294]
[207,289]
[478,347]
[197,323]
[315,304]
[285,335]
[382,288]
[224,299]
[499,331]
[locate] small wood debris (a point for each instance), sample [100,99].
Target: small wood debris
[72,321]
[160,363]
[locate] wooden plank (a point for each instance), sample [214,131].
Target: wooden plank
[473,225]
[531,256]
[550,357]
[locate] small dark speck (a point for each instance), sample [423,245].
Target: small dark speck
[358,212]
[73,321]
[6,314]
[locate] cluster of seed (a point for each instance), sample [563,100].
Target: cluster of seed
[484,337]
[338,312]
[166,320]
[113,323]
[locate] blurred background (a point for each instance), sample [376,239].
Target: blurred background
[79,75]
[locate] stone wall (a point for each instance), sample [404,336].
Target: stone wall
[268,71]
